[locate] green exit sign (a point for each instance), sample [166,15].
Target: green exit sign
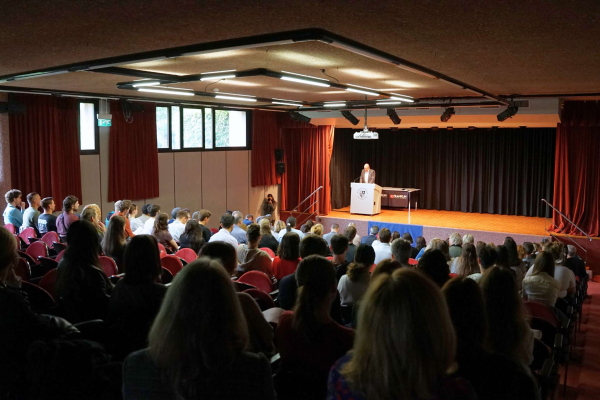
[103,122]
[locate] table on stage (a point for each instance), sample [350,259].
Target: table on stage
[400,198]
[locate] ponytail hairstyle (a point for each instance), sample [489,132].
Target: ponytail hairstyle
[315,276]
[291,223]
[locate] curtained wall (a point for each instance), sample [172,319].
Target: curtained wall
[265,139]
[577,176]
[44,147]
[498,171]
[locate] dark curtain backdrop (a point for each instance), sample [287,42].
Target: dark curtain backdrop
[133,154]
[497,171]
[577,176]
[44,147]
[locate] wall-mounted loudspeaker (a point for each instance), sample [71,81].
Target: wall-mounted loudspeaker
[278,155]
[280,168]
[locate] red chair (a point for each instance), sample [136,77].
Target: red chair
[59,256]
[108,266]
[452,275]
[542,311]
[48,281]
[214,230]
[188,255]
[330,258]
[161,248]
[23,270]
[26,234]
[11,228]
[50,238]
[37,250]
[46,264]
[268,251]
[30,260]
[412,261]
[172,263]
[263,299]
[59,247]
[39,299]
[257,279]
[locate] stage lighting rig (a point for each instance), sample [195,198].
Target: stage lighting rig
[350,117]
[393,116]
[508,113]
[296,116]
[448,113]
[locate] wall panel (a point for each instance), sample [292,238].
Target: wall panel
[166,183]
[188,180]
[90,180]
[214,185]
[237,181]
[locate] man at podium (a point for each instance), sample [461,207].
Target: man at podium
[367,175]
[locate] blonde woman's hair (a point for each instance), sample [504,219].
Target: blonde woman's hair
[405,343]
[199,330]
[265,227]
[455,239]
[317,230]
[8,249]
[468,238]
[279,226]
[94,207]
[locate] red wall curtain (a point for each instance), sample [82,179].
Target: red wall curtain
[577,176]
[44,147]
[265,139]
[133,154]
[307,151]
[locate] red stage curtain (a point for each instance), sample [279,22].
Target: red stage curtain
[133,154]
[265,139]
[307,151]
[44,147]
[577,176]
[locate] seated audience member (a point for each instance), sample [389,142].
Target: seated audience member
[502,258]
[185,359]
[266,236]
[468,238]
[529,253]
[19,325]
[309,340]
[354,284]
[401,250]
[398,356]
[89,214]
[161,233]
[305,229]
[357,237]
[134,223]
[564,276]
[317,229]
[364,255]
[100,224]
[177,227]
[68,216]
[224,234]
[510,334]
[249,219]
[115,240]
[278,227]
[123,211]
[173,215]
[47,221]
[480,367]
[145,214]
[203,217]
[514,261]
[250,257]
[395,235]
[31,214]
[238,231]
[339,247]
[486,259]
[413,250]
[290,227]
[522,253]
[288,256]
[12,215]
[421,247]
[372,236]
[149,224]
[466,264]
[442,245]
[478,246]
[136,299]
[191,237]
[455,241]
[350,233]
[382,246]
[575,263]
[82,289]
[433,264]
[335,228]
[540,285]
[385,267]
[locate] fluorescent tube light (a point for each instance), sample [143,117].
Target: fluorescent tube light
[402,99]
[235,98]
[165,91]
[146,83]
[306,76]
[383,103]
[334,105]
[217,72]
[217,77]
[402,95]
[287,104]
[362,91]
[289,101]
[289,78]
[362,87]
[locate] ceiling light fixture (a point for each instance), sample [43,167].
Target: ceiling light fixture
[350,117]
[218,72]
[296,116]
[362,87]
[287,104]
[510,112]
[393,116]
[385,103]
[146,83]
[305,81]
[402,95]
[235,98]
[306,76]
[165,91]
[217,77]
[448,113]
[289,101]
[334,105]
[402,99]
[362,91]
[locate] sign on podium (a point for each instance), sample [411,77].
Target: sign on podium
[365,198]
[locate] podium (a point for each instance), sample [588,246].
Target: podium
[365,198]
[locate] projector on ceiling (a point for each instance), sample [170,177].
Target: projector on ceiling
[366,134]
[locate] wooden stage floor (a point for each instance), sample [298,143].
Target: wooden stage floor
[453,219]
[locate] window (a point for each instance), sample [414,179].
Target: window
[162,127]
[175,128]
[208,127]
[192,128]
[230,128]
[87,128]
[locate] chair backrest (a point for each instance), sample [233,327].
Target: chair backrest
[60,256]
[548,330]
[39,299]
[214,230]
[452,275]
[30,260]
[258,279]
[47,282]
[188,255]
[263,299]
[23,270]
[11,228]
[542,311]
[26,234]
[412,261]
[161,248]
[37,249]
[109,266]
[59,247]
[268,251]
[50,238]
[172,263]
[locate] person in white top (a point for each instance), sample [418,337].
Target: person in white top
[354,284]
[335,228]
[382,247]
[149,224]
[177,227]
[145,211]
[540,285]
[291,227]
[564,276]
[224,234]
[135,223]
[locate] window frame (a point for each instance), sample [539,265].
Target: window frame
[96,127]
